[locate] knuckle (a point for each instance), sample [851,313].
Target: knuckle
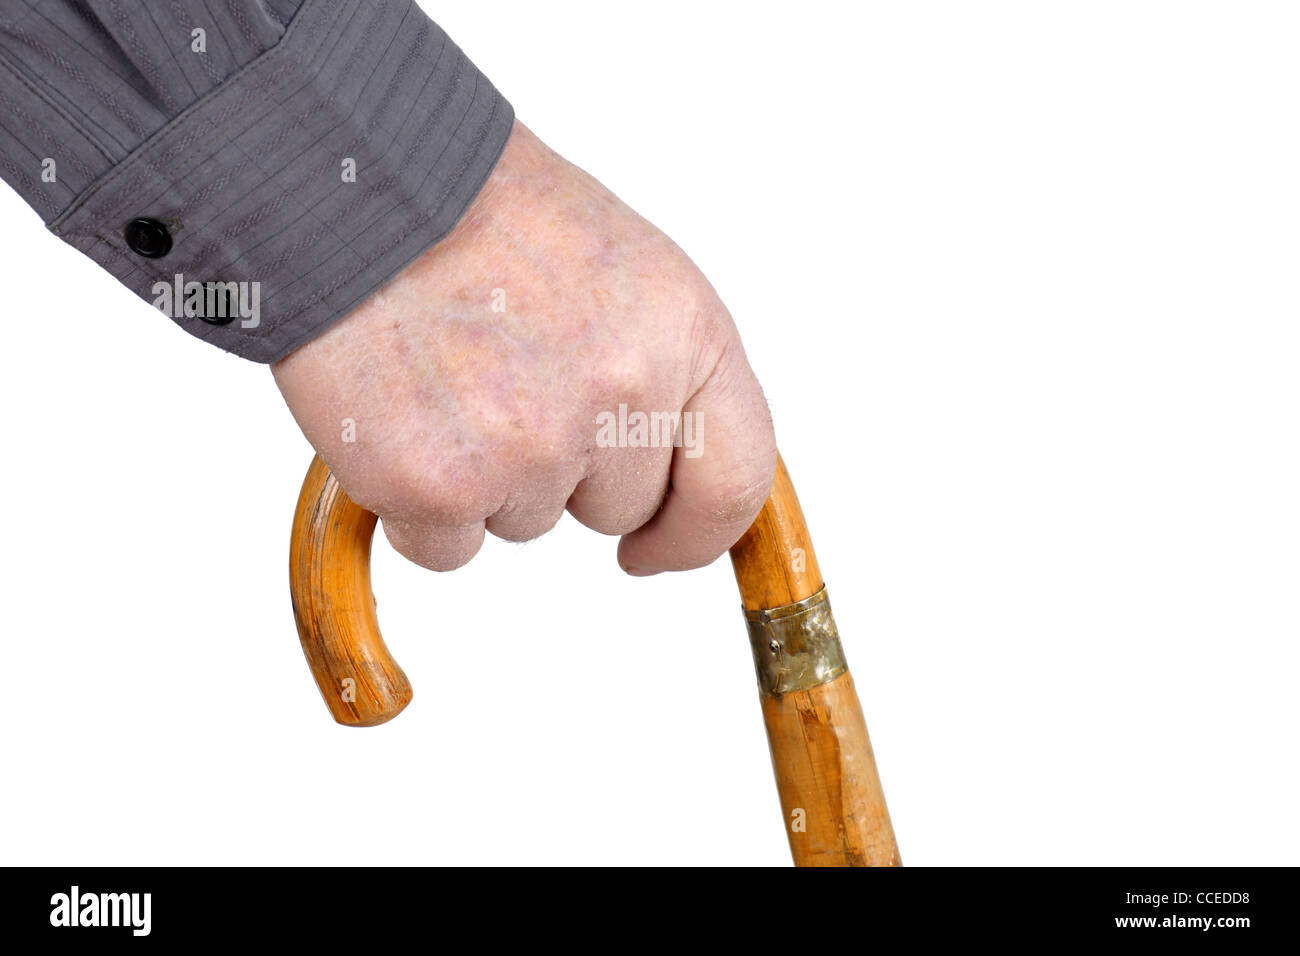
[738,497]
[445,491]
[624,375]
[732,505]
[431,548]
[394,487]
[623,516]
[513,526]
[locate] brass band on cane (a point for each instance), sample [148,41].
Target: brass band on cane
[796,647]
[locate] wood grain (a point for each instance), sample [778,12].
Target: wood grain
[831,799]
[334,607]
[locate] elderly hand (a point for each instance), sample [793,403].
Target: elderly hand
[536,359]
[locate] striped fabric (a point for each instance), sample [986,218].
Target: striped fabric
[314,147]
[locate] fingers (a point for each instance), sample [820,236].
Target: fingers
[679,500]
[720,475]
[436,547]
[624,490]
[441,529]
[678,506]
[441,547]
[536,508]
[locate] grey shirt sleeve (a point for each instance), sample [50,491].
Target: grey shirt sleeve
[254,168]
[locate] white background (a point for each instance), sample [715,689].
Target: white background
[1020,280]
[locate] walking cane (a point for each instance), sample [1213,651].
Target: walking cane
[834,808]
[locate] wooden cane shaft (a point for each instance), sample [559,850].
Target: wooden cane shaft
[831,798]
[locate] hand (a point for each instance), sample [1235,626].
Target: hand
[481,386]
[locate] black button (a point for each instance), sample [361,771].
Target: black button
[149,238]
[221,300]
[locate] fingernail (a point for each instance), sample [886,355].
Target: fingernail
[640,572]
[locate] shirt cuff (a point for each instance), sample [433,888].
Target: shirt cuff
[308,179]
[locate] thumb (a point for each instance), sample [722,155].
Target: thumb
[720,475]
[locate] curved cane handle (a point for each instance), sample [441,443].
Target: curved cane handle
[334,607]
[834,807]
